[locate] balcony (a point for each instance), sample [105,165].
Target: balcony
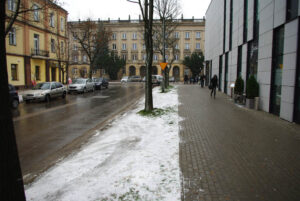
[39,53]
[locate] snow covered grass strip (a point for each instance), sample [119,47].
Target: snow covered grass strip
[136,158]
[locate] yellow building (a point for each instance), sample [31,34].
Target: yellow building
[36,43]
[127,41]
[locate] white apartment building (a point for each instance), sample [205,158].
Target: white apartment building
[260,38]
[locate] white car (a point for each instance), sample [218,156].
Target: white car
[45,91]
[125,79]
[157,79]
[81,85]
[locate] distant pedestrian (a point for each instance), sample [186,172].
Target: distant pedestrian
[202,78]
[186,79]
[69,81]
[213,85]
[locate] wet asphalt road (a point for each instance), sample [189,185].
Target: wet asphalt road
[46,132]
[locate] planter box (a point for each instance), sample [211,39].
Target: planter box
[250,103]
[239,99]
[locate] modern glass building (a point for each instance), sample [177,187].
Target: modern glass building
[260,38]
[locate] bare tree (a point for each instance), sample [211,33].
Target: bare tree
[92,37]
[146,8]
[11,181]
[164,29]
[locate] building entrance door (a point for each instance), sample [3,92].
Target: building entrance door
[277,65]
[53,74]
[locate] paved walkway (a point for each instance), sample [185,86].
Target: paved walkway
[231,153]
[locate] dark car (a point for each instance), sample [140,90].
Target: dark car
[100,83]
[13,96]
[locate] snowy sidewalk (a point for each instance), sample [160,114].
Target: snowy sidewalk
[135,158]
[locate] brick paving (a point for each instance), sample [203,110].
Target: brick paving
[232,153]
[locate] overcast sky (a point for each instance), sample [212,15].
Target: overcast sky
[114,9]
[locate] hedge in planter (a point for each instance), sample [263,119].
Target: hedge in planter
[252,88]
[239,86]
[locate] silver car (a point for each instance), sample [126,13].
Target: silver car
[45,91]
[81,85]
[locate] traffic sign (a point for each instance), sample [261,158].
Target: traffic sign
[163,65]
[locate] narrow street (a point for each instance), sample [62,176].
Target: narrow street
[46,132]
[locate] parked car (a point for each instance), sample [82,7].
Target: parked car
[171,79]
[157,79]
[125,79]
[135,78]
[45,91]
[13,96]
[81,85]
[100,82]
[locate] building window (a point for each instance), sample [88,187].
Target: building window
[291,9]
[74,71]
[134,57]
[144,46]
[239,62]
[62,49]
[230,24]
[84,58]
[36,13]
[75,47]
[176,57]
[187,35]
[198,46]
[144,57]
[245,26]
[52,19]
[176,34]
[134,46]
[114,36]
[124,46]
[62,24]
[155,57]
[224,26]
[134,36]
[198,34]
[37,73]
[11,5]
[12,36]
[52,45]
[124,36]
[256,20]
[75,58]
[166,57]
[114,46]
[14,72]
[277,66]
[124,57]
[252,59]
[177,47]
[36,40]
[187,46]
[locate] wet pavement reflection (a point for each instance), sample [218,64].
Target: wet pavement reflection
[42,129]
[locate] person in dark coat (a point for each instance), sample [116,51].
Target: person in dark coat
[202,79]
[214,84]
[186,79]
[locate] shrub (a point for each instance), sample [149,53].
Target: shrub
[239,86]
[252,88]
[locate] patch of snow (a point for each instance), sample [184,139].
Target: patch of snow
[136,158]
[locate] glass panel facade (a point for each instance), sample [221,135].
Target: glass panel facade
[252,58]
[239,62]
[277,65]
[245,27]
[226,73]
[291,9]
[220,71]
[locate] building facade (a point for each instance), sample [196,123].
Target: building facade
[260,38]
[127,41]
[36,43]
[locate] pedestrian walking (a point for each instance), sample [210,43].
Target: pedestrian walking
[213,85]
[202,78]
[186,79]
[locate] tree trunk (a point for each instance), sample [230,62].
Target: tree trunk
[148,21]
[10,172]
